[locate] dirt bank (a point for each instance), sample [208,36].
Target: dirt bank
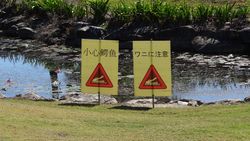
[233,37]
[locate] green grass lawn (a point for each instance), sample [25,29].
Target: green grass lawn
[28,120]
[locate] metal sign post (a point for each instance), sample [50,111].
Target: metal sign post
[99,61]
[151,75]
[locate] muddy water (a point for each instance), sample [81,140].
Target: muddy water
[20,75]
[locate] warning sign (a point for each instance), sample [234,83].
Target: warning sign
[99,69]
[99,78]
[152,68]
[152,80]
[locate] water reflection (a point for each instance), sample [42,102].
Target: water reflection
[209,84]
[21,75]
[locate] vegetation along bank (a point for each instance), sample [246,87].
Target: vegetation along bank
[199,26]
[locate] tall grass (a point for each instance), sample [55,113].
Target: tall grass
[183,14]
[99,9]
[202,13]
[80,10]
[142,11]
[60,7]
[241,12]
[152,12]
[224,13]
[122,13]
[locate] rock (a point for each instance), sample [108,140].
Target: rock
[2,96]
[7,23]
[90,32]
[56,32]
[227,34]
[182,103]
[194,103]
[247,99]
[230,56]
[2,13]
[78,98]
[230,102]
[162,100]
[26,33]
[21,24]
[180,37]
[245,35]
[191,102]
[142,33]
[86,32]
[221,61]
[208,45]
[12,31]
[200,42]
[228,24]
[62,50]
[187,30]
[173,101]
[140,101]
[80,24]
[30,96]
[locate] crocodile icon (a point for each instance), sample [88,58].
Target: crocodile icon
[151,82]
[99,80]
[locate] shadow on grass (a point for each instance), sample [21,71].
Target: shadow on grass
[131,108]
[75,104]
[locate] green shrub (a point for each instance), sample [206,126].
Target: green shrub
[142,11]
[168,13]
[202,13]
[99,9]
[224,13]
[60,7]
[80,9]
[56,6]
[183,14]
[122,13]
[158,11]
[241,12]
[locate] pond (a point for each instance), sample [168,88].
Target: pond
[20,75]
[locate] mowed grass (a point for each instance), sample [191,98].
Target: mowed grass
[28,120]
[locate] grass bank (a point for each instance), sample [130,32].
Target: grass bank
[28,120]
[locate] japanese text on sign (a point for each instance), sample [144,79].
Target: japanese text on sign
[151,54]
[101,52]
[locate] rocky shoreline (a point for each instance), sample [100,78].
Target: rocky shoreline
[77,98]
[233,37]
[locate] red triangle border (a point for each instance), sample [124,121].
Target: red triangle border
[91,84]
[152,69]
